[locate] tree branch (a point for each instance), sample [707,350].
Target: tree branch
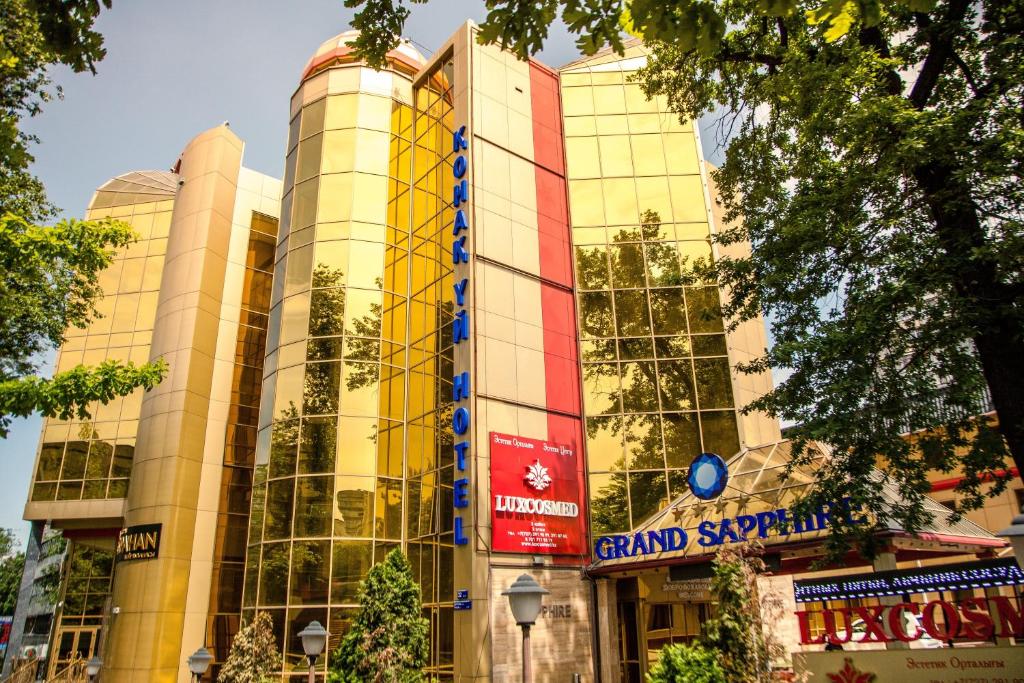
[941,44]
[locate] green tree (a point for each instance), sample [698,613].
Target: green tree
[686,664]
[254,657]
[737,632]
[388,640]
[48,275]
[874,152]
[12,566]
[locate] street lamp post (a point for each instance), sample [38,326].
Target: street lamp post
[524,597]
[314,638]
[1015,535]
[199,662]
[92,667]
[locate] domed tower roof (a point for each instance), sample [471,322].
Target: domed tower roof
[336,50]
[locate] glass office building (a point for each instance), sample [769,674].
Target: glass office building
[475,299]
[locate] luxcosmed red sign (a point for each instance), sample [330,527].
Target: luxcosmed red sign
[537,501]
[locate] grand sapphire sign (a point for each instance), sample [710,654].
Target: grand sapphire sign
[712,533]
[707,476]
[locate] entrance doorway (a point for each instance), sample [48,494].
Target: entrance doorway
[75,646]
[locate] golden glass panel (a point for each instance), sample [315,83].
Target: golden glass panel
[312,118]
[609,503]
[339,151]
[644,123]
[616,158]
[293,131]
[352,560]
[274,574]
[313,505]
[682,438]
[604,444]
[714,384]
[309,157]
[637,102]
[639,382]
[681,152]
[637,348]
[288,391]
[336,197]
[374,113]
[709,345]
[619,195]
[609,99]
[648,155]
[370,198]
[627,265]
[653,196]
[588,236]
[570,79]
[372,151]
[687,199]
[601,392]
[581,157]
[592,267]
[578,101]
[675,385]
[363,312]
[280,498]
[648,494]
[595,311]
[320,388]
[152,272]
[298,270]
[668,311]
[318,444]
[361,390]
[597,349]
[388,520]
[631,317]
[579,125]
[283,446]
[357,446]
[662,265]
[643,442]
[617,124]
[703,310]
[304,205]
[366,264]
[718,430]
[342,111]
[50,457]
[161,224]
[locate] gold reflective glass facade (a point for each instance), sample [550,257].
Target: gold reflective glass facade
[85,590]
[430,463]
[92,459]
[656,382]
[240,439]
[329,478]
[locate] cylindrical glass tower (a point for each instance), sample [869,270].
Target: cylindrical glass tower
[329,485]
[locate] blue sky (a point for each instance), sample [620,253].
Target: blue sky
[174,69]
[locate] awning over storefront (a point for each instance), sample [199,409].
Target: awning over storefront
[757,504]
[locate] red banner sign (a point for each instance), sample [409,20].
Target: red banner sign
[939,620]
[537,502]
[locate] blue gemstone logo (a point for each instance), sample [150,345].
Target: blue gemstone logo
[708,476]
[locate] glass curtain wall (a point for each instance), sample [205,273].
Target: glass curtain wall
[430,450]
[657,390]
[240,441]
[88,575]
[328,482]
[92,459]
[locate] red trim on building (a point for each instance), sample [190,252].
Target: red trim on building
[947,484]
[558,308]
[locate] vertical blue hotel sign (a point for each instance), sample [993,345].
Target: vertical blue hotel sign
[460,334]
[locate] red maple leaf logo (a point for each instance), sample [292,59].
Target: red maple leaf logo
[849,674]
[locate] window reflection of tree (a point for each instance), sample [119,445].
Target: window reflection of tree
[648,374]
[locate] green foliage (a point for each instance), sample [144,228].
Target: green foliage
[875,175]
[737,631]
[522,25]
[48,275]
[686,664]
[48,283]
[388,640]
[12,566]
[254,657]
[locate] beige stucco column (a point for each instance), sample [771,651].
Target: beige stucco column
[175,478]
